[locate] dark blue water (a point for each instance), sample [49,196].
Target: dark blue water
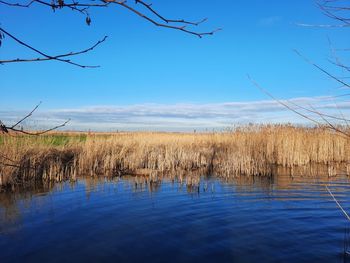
[246,220]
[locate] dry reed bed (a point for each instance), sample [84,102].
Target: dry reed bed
[254,150]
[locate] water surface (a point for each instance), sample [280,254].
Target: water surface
[281,219]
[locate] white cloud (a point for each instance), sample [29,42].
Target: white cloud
[178,117]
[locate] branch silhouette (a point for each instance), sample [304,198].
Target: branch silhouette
[6,129]
[337,11]
[46,57]
[83,7]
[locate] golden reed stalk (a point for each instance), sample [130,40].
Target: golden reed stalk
[252,150]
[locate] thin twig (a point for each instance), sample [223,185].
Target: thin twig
[281,102]
[181,28]
[329,125]
[41,132]
[6,129]
[26,117]
[338,204]
[176,24]
[321,69]
[166,20]
[49,57]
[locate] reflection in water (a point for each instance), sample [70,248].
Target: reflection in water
[194,184]
[177,218]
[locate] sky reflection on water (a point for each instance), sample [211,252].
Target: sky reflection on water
[279,219]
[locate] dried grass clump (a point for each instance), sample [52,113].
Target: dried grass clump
[252,150]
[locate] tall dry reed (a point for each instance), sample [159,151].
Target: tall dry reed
[252,150]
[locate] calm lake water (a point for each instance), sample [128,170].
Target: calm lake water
[131,220]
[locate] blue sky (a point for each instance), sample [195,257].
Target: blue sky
[144,67]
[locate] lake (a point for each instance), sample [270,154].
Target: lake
[247,219]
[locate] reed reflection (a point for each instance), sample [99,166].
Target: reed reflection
[284,186]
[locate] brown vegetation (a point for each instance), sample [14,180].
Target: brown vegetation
[253,150]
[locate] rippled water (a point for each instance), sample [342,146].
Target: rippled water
[130,220]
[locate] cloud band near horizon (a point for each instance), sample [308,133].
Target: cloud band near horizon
[178,117]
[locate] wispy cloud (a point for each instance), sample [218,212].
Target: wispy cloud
[177,117]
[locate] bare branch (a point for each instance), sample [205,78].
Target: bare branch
[7,129]
[40,132]
[75,6]
[321,69]
[3,128]
[314,111]
[329,124]
[338,204]
[149,7]
[46,57]
[281,102]
[334,11]
[167,25]
[26,117]
[83,7]
[340,64]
